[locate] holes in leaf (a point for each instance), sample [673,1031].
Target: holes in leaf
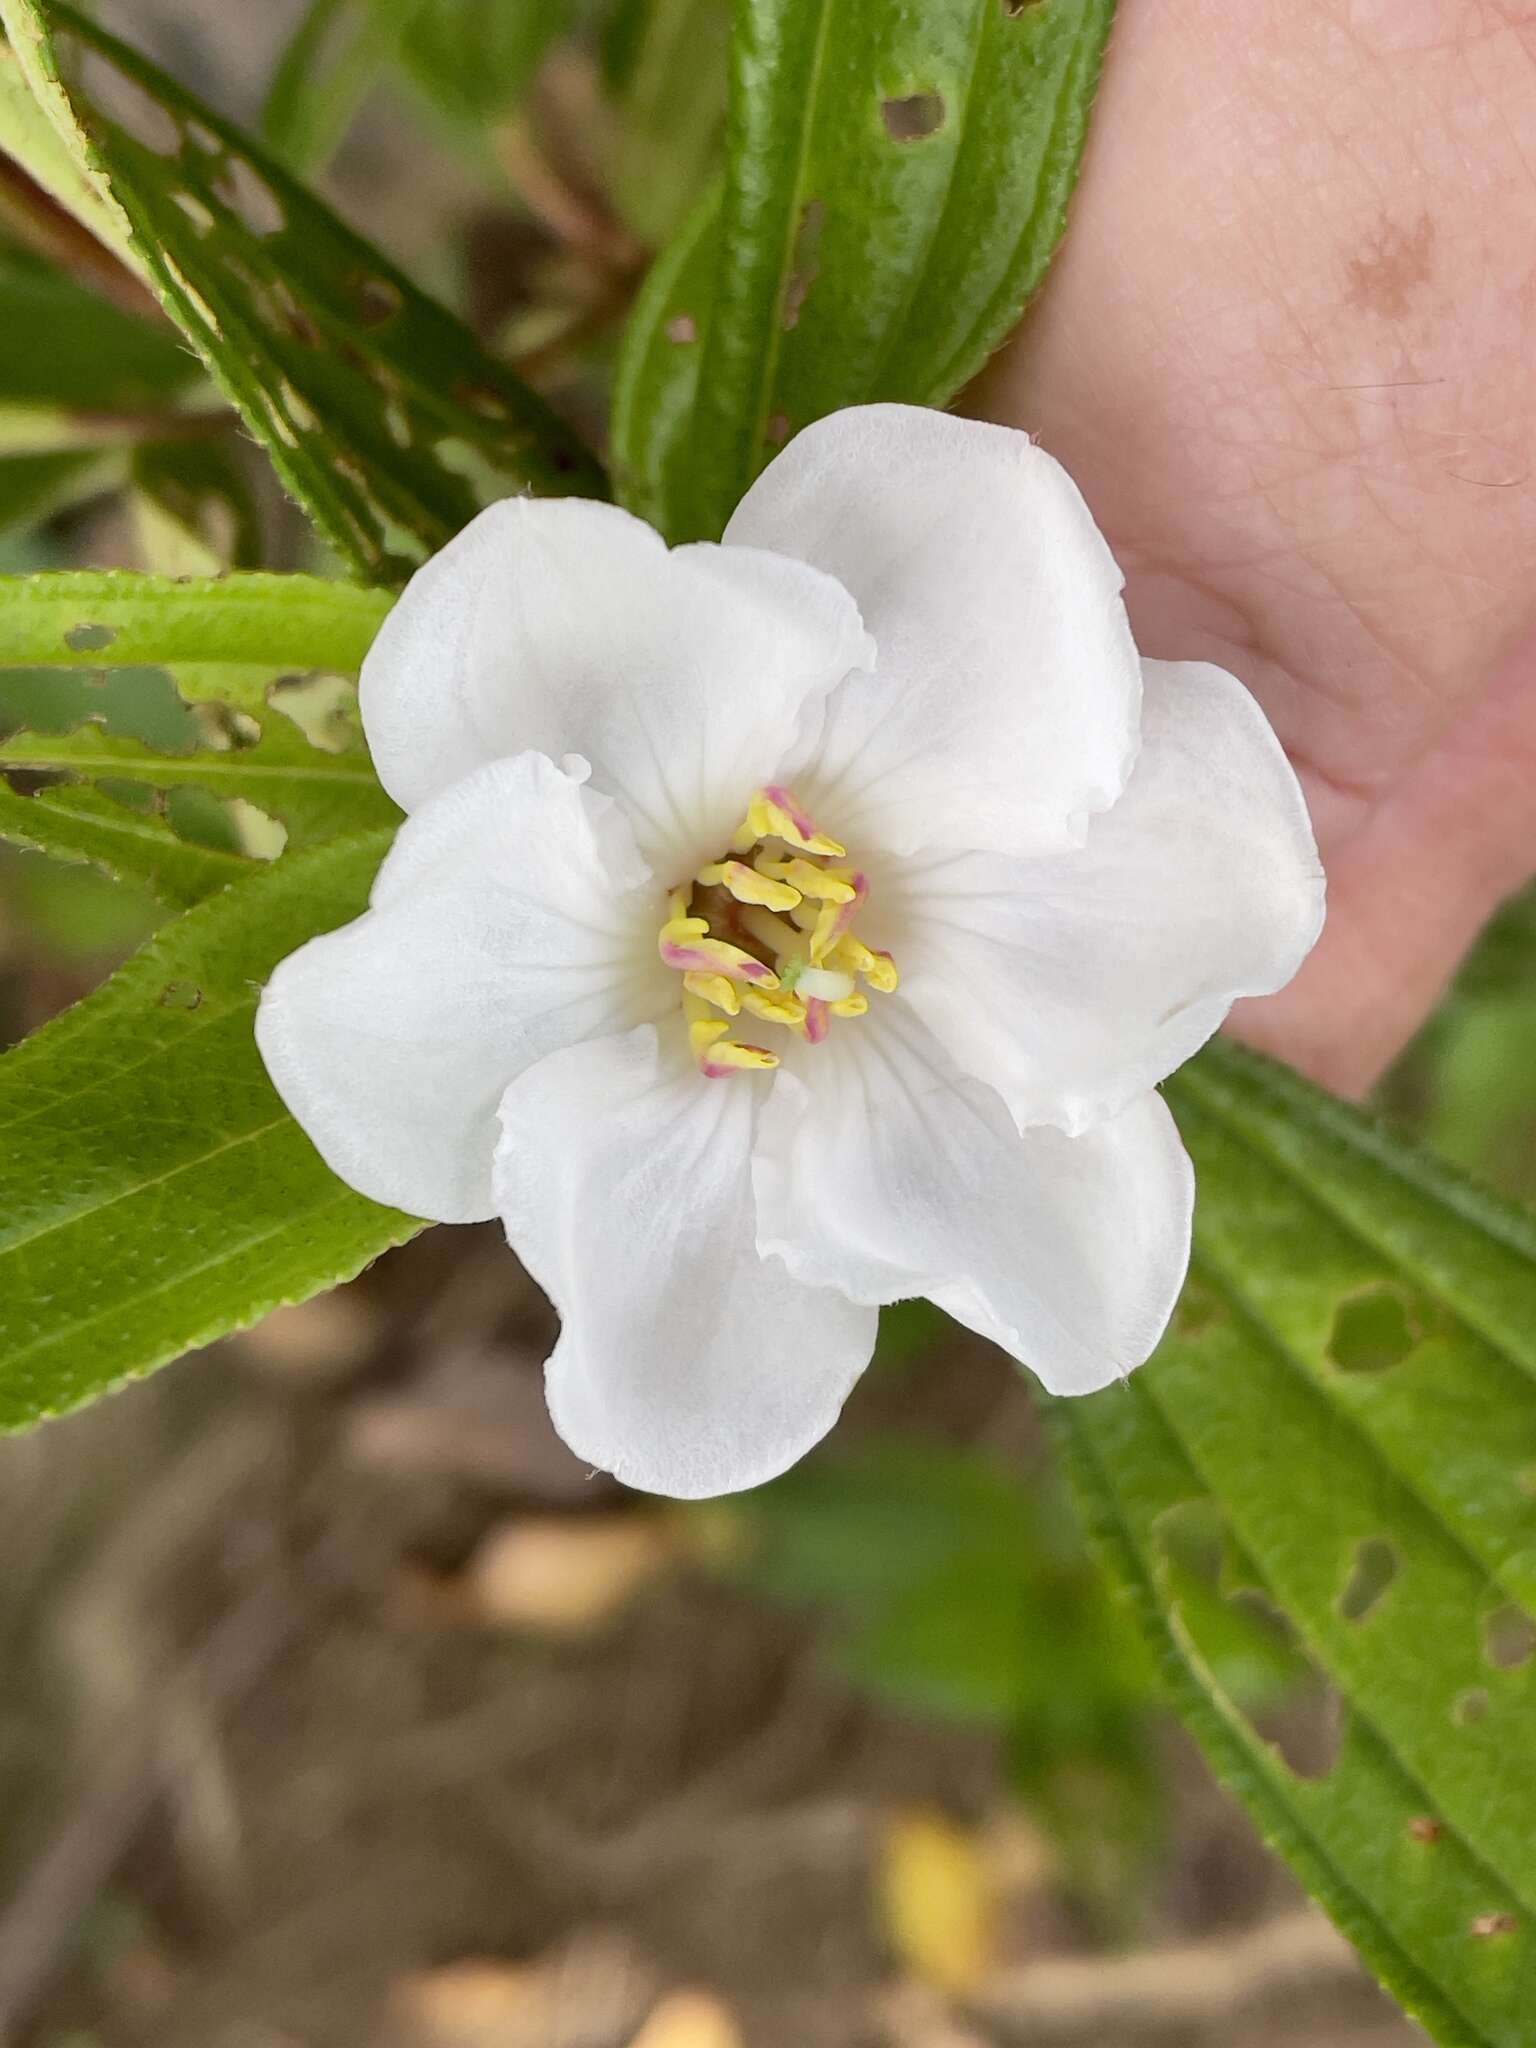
[202,217]
[483,399]
[243,188]
[298,410]
[1509,1637]
[914,117]
[1488,1925]
[224,729]
[1374,1569]
[1469,1707]
[1248,1646]
[256,831]
[131,106]
[804,268]
[89,639]
[322,706]
[377,300]
[1372,1330]
[181,995]
[682,328]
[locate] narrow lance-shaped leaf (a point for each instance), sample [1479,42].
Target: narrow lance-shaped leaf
[896,181]
[1350,1390]
[127,843]
[154,1193]
[380,411]
[215,685]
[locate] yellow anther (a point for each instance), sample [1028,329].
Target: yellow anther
[826,930]
[677,908]
[878,969]
[775,1009]
[689,951]
[717,1055]
[717,989]
[749,885]
[727,1057]
[705,1032]
[821,885]
[774,814]
[851,1006]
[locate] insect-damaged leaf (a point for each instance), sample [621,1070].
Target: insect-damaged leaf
[896,180]
[1349,1391]
[219,685]
[381,412]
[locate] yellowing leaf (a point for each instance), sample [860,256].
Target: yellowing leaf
[936,1900]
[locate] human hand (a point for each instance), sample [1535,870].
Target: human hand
[1289,353]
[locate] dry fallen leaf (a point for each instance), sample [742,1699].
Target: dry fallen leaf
[562,1576]
[588,1993]
[690,2019]
[936,1900]
[479,2005]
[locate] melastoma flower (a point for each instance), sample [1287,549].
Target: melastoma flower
[789,926]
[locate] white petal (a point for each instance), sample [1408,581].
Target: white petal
[1006,700]
[883,1171]
[1076,982]
[687,1365]
[567,626]
[512,915]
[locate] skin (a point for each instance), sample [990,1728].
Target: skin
[1289,353]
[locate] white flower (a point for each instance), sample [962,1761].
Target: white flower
[680,821]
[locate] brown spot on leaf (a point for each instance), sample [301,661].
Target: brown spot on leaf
[377,299]
[1509,1637]
[1397,261]
[1423,1829]
[682,327]
[1488,1924]
[804,266]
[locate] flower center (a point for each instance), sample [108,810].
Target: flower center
[768,930]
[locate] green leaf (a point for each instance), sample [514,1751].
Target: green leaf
[666,60]
[34,487]
[154,1192]
[1350,1390]
[380,411]
[337,54]
[83,618]
[100,674]
[473,60]
[129,844]
[896,182]
[658,368]
[67,347]
[194,510]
